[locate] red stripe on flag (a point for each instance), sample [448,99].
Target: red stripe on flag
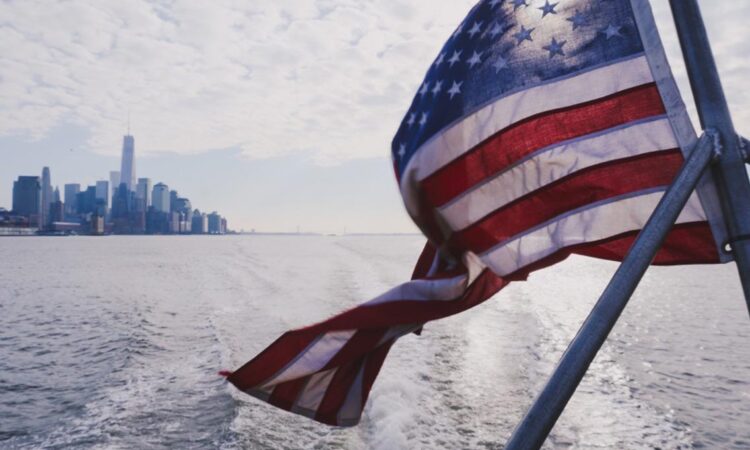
[337,392]
[285,394]
[372,367]
[536,132]
[422,268]
[576,190]
[686,243]
[359,344]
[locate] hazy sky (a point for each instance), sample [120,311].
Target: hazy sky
[276,113]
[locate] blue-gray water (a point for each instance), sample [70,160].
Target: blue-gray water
[115,342]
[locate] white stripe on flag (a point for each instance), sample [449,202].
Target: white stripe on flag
[554,163]
[314,358]
[439,289]
[350,410]
[589,225]
[315,389]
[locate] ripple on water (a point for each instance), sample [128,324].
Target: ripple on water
[125,356]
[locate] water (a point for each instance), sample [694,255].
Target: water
[115,342]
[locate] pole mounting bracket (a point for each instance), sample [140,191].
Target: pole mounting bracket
[744,148]
[716,148]
[727,246]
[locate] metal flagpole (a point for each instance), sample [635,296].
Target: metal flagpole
[541,417]
[730,173]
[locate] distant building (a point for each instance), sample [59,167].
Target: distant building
[174,222]
[214,223]
[143,194]
[138,221]
[157,222]
[182,206]
[86,201]
[160,198]
[66,227]
[97,224]
[102,192]
[47,196]
[127,168]
[27,198]
[14,225]
[123,213]
[56,195]
[199,223]
[173,195]
[57,212]
[114,181]
[71,190]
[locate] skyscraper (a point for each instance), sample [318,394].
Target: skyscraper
[143,194]
[47,196]
[114,181]
[199,223]
[214,223]
[127,169]
[56,212]
[27,199]
[102,192]
[173,195]
[160,197]
[86,201]
[71,204]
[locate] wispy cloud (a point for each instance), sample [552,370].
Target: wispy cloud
[726,23]
[331,78]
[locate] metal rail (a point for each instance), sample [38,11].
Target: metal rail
[730,173]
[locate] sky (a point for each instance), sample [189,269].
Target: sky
[277,113]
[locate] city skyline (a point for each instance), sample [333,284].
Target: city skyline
[290,109]
[101,209]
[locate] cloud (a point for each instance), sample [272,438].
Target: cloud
[727,31]
[330,78]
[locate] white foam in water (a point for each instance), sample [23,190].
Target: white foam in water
[128,358]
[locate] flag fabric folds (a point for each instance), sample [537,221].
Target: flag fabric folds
[539,131]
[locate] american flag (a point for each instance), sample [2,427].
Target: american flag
[541,129]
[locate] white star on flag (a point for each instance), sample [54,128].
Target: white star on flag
[438,87]
[456,57]
[477,28]
[612,31]
[500,64]
[455,89]
[439,59]
[474,60]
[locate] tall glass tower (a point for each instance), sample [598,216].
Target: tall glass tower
[127,169]
[47,196]
[27,197]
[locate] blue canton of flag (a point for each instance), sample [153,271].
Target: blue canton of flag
[506,46]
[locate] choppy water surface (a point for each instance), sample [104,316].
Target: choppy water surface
[115,342]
